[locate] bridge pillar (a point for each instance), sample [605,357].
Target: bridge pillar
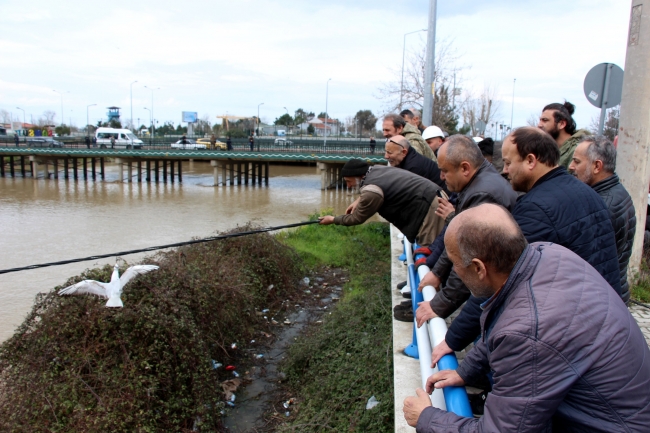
[101,165]
[75,173]
[239,164]
[148,171]
[259,173]
[171,170]
[164,168]
[119,162]
[22,165]
[223,173]
[140,171]
[93,168]
[180,171]
[266,174]
[65,168]
[232,173]
[156,168]
[85,169]
[129,172]
[55,168]
[11,166]
[215,171]
[2,167]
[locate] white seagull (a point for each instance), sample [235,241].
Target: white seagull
[111,290]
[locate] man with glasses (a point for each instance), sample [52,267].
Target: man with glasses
[394,124]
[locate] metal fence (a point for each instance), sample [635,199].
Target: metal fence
[306,146]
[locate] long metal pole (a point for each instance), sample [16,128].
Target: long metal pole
[60,93]
[429,73]
[88,120]
[512,111]
[603,104]
[327,89]
[23,128]
[132,102]
[634,139]
[401,89]
[258,118]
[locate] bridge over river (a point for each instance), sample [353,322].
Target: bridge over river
[166,164]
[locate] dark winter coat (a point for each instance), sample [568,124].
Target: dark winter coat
[487,186]
[423,166]
[559,209]
[621,211]
[564,352]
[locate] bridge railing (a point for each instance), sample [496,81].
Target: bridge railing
[451,398]
[239,145]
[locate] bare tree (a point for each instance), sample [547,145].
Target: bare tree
[484,108]
[533,119]
[5,116]
[47,118]
[610,128]
[448,69]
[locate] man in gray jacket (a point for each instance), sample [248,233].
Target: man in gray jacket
[594,163]
[562,350]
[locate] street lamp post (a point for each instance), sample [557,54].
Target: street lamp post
[401,89]
[88,120]
[512,111]
[152,126]
[289,126]
[327,90]
[18,108]
[151,122]
[61,93]
[131,86]
[258,118]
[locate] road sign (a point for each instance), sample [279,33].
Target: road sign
[603,88]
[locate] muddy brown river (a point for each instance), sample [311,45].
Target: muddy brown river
[49,220]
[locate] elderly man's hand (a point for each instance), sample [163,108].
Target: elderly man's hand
[439,351]
[444,379]
[444,208]
[424,313]
[326,220]
[430,279]
[413,406]
[352,207]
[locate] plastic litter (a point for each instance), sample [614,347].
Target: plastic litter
[252,341]
[234,373]
[287,322]
[308,292]
[372,402]
[216,364]
[233,346]
[266,310]
[270,287]
[232,398]
[260,356]
[230,368]
[230,403]
[305,281]
[287,413]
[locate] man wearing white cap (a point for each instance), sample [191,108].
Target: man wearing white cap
[434,138]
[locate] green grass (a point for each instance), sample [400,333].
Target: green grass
[640,284]
[337,366]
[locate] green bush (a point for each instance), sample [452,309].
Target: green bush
[76,366]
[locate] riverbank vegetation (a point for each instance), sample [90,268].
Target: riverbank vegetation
[336,366]
[640,287]
[75,365]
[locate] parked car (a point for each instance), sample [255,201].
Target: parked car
[218,145]
[43,142]
[282,142]
[190,144]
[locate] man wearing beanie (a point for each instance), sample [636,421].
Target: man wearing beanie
[406,200]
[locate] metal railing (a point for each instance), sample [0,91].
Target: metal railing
[238,145]
[451,398]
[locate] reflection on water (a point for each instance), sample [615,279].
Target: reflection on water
[47,220]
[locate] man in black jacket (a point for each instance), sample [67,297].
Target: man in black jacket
[406,200]
[400,154]
[465,171]
[594,163]
[556,208]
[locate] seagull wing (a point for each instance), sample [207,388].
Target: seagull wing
[134,271]
[86,286]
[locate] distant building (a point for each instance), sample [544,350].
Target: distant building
[113,114]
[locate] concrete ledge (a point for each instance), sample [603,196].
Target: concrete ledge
[406,370]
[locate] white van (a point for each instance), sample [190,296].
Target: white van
[124,138]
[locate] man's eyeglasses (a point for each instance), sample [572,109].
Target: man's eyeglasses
[390,140]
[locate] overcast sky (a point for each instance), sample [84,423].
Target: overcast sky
[217,57]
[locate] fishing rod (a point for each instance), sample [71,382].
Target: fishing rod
[159,247]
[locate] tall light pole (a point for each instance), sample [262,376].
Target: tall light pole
[18,108]
[327,90]
[285,108]
[61,93]
[131,86]
[401,89]
[512,111]
[150,122]
[258,118]
[430,67]
[152,127]
[88,120]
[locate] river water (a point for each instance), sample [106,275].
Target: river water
[49,220]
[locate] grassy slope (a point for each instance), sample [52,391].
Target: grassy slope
[335,368]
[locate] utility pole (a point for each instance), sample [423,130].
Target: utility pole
[429,72]
[131,86]
[327,92]
[634,126]
[401,88]
[512,111]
